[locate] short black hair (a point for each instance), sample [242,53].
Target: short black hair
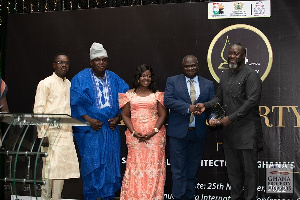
[59,54]
[239,44]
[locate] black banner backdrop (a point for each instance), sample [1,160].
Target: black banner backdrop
[161,35]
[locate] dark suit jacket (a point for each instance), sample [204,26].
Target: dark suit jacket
[178,100]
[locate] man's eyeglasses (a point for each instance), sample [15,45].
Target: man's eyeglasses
[233,53]
[63,62]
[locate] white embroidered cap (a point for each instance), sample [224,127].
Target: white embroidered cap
[97,51]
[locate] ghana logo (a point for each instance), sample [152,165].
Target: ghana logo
[259,54]
[238,6]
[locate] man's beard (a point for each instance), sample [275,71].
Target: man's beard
[233,66]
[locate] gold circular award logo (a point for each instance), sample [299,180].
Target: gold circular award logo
[259,54]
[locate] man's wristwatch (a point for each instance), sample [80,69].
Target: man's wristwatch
[156,130]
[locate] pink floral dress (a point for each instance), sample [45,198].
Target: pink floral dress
[145,173]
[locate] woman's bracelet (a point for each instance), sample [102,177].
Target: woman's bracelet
[156,130]
[133,132]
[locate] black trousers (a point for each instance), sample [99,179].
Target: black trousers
[242,173]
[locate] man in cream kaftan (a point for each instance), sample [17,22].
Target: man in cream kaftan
[53,97]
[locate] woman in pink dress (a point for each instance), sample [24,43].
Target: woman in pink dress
[144,115]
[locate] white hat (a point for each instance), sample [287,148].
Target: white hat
[97,51]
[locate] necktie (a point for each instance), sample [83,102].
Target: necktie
[193,97]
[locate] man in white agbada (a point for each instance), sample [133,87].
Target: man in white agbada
[53,97]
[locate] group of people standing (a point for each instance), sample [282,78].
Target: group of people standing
[101,98]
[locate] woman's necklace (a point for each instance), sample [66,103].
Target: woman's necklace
[143,92]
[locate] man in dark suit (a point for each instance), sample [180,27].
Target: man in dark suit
[187,128]
[239,92]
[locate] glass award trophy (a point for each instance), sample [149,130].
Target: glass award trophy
[218,112]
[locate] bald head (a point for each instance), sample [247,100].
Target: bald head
[189,57]
[190,66]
